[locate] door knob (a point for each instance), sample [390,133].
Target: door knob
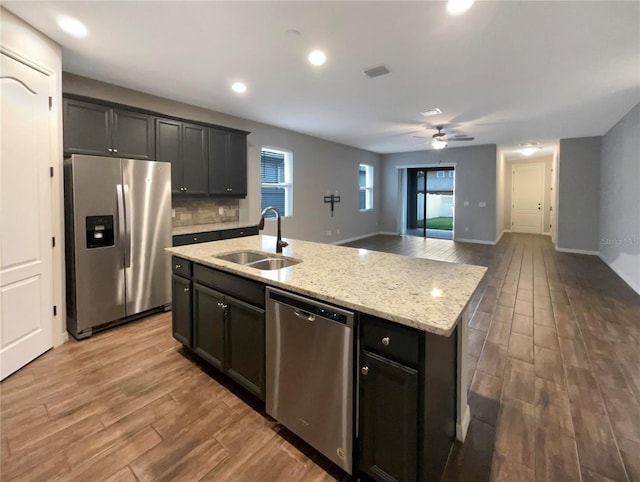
[364,370]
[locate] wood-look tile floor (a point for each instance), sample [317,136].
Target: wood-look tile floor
[555,350]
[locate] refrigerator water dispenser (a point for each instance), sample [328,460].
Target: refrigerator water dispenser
[99,231]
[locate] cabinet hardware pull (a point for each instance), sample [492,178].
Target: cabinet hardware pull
[195,239]
[178,266]
[186,290]
[222,305]
[115,150]
[385,341]
[110,150]
[364,370]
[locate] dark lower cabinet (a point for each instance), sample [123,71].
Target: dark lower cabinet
[245,345]
[209,325]
[181,310]
[388,419]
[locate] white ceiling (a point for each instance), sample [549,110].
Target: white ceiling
[504,72]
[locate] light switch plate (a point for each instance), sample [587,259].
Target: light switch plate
[482,204]
[466,203]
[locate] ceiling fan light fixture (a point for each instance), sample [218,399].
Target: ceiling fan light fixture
[438,144]
[458,7]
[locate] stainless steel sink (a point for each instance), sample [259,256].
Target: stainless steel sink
[273,263]
[243,257]
[258,260]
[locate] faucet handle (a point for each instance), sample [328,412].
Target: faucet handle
[283,243]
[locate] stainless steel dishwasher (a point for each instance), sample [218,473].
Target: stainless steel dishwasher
[309,372]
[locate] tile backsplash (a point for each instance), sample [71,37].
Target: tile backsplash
[204,211]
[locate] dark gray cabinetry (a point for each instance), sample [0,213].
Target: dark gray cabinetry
[388,412]
[228,325]
[101,130]
[205,237]
[186,147]
[407,394]
[227,163]
[181,320]
[208,325]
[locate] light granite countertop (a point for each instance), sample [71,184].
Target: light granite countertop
[203,228]
[425,294]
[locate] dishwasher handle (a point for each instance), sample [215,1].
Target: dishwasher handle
[305,315]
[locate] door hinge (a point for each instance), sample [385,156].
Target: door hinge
[51,171]
[50,102]
[53,242]
[55,310]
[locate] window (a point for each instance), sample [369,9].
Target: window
[365,198]
[277,181]
[451,173]
[440,174]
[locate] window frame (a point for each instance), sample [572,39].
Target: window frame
[367,188]
[440,174]
[287,185]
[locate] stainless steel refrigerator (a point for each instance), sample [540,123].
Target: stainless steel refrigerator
[117,226]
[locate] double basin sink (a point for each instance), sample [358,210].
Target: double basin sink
[258,260]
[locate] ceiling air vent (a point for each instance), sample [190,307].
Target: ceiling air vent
[376,72]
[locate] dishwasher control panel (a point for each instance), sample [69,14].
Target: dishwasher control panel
[312,309]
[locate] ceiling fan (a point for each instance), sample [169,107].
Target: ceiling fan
[440,139]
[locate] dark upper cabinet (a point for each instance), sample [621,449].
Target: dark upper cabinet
[100,130]
[185,146]
[388,411]
[87,128]
[227,163]
[133,135]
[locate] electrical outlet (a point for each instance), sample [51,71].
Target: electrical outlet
[338,231]
[466,203]
[328,232]
[173,213]
[220,211]
[466,230]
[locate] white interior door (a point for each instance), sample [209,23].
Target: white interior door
[25,216]
[527,198]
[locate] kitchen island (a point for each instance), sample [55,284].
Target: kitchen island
[421,305]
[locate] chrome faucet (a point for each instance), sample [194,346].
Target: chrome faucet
[280,243]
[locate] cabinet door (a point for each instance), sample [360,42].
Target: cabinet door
[195,159]
[86,128]
[388,412]
[245,345]
[217,161]
[181,320]
[236,167]
[208,325]
[169,149]
[133,135]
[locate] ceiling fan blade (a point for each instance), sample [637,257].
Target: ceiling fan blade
[464,138]
[421,137]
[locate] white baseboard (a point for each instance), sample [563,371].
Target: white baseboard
[462,426]
[499,238]
[577,251]
[477,241]
[355,238]
[634,286]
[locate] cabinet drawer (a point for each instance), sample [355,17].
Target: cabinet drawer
[241,288]
[239,232]
[181,266]
[205,237]
[393,341]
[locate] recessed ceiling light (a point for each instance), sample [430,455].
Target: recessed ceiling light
[239,87]
[431,112]
[317,57]
[72,26]
[458,7]
[527,151]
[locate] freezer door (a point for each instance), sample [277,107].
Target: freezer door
[98,274]
[147,200]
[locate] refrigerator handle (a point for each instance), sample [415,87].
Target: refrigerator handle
[127,227]
[122,228]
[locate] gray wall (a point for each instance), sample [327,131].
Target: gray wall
[475,182]
[319,166]
[579,194]
[620,198]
